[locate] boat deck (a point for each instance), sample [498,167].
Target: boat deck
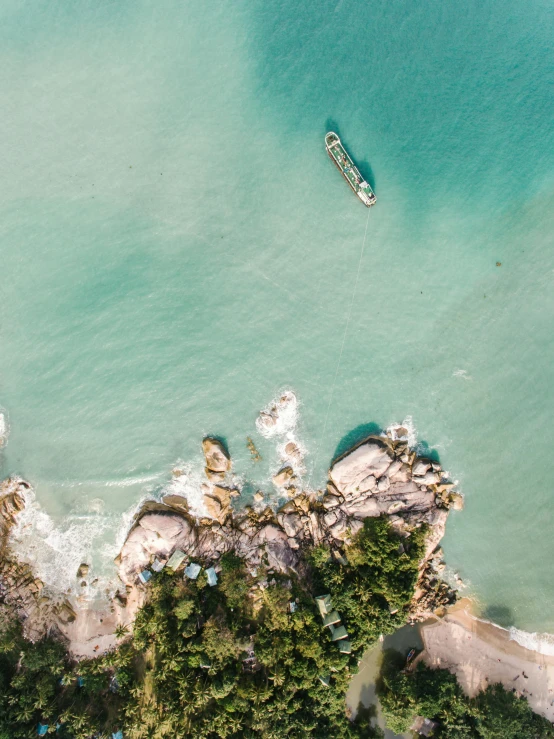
[349,170]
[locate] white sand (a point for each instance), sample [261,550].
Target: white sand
[480,653]
[93,632]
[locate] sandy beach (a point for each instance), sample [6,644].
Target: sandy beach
[480,653]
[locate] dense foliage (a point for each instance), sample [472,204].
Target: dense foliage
[373,588]
[493,714]
[37,682]
[236,660]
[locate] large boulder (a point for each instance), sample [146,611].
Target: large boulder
[217,456]
[420,467]
[218,501]
[291,524]
[363,508]
[283,477]
[275,543]
[154,534]
[358,470]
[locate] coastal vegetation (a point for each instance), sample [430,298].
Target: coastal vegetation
[494,713]
[249,623]
[249,657]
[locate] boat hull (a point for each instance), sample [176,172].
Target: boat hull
[340,157]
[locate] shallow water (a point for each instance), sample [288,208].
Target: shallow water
[176,249]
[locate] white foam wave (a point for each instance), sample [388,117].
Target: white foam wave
[127,482]
[4,428]
[462,373]
[188,484]
[56,551]
[541,643]
[280,417]
[405,431]
[292,451]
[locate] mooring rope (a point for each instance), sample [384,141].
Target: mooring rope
[345,331]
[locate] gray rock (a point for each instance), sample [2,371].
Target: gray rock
[429,478]
[357,470]
[339,530]
[291,524]
[364,508]
[280,555]
[399,472]
[402,488]
[383,484]
[330,518]
[420,467]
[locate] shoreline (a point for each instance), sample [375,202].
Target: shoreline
[380,476]
[481,653]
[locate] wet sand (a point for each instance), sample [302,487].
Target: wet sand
[480,653]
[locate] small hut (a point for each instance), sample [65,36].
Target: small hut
[338,633]
[212,577]
[331,619]
[192,571]
[324,604]
[423,726]
[158,564]
[175,560]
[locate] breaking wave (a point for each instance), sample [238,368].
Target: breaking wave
[279,417]
[56,549]
[541,643]
[4,428]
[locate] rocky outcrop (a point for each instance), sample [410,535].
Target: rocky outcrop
[217,457]
[358,470]
[12,500]
[380,476]
[279,417]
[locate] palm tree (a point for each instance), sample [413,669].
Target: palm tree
[121,630]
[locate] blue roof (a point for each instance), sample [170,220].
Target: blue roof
[212,577]
[145,576]
[117,735]
[192,571]
[42,729]
[157,565]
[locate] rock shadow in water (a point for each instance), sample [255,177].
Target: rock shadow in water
[424,450]
[354,437]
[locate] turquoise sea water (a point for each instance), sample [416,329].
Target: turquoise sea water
[176,248]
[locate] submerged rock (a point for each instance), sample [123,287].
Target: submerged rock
[82,571]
